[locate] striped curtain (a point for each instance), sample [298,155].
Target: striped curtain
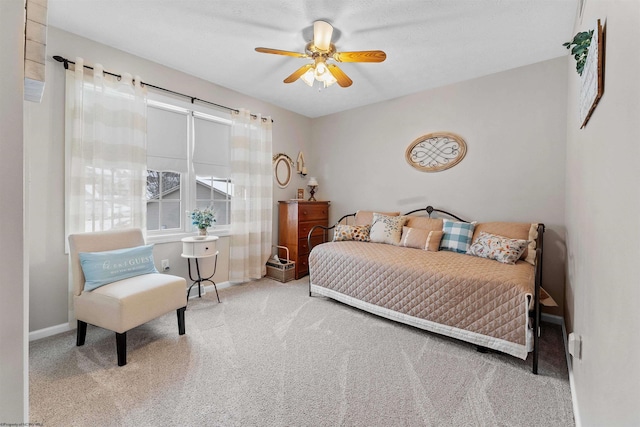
[106,151]
[251,201]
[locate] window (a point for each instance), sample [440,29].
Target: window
[187,165]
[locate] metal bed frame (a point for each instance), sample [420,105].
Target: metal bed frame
[534,313]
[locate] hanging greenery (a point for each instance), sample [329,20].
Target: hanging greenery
[580,49]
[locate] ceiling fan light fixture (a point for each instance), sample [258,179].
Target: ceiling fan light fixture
[329,80]
[322,32]
[321,70]
[320,50]
[308,77]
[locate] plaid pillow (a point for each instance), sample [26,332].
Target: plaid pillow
[457,235]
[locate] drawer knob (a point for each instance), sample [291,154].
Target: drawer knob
[206,248]
[304,212]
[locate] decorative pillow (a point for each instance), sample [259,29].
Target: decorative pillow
[359,233]
[457,235]
[387,229]
[529,255]
[366,217]
[102,268]
[502,249]
[421,239]
[512,230]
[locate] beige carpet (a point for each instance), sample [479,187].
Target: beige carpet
[270,355]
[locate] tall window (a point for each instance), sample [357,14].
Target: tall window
[187,165]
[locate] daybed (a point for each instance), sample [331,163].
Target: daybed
[478,300]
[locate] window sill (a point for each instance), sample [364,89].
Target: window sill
[170,238]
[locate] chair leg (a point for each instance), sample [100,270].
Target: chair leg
[82,333]
[180,313]
[121,347]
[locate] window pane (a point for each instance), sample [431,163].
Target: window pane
[163,200]
[222,212]
[153,185]
[170,215]
[214,192]
[170,184]
[153,216]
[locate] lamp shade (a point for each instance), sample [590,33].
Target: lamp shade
[312,181]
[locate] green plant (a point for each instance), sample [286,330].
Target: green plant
[580,49]
[203,218]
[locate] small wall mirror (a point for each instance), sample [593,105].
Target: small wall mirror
[282,169]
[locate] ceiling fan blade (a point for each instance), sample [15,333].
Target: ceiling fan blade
[362,56]
[299,72]
[341,77]
[322,32]
[281,52]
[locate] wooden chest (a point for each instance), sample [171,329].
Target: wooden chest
[296,218]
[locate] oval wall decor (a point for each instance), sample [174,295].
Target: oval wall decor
[436,151]
[282,169]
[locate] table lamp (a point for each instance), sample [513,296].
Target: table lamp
[313,185]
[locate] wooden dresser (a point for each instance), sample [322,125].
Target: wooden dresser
[296,218]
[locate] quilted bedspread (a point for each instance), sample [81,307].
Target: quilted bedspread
[475,299]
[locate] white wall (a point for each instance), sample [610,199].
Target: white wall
[514,126]
[14,363]
[602,211]
[44,124]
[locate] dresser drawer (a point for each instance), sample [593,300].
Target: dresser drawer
[311,212]
[303,244]
[305,227]
[199,249]
[302,266]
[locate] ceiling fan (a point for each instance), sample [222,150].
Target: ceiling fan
[320,50]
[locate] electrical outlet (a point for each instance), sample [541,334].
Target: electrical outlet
[165,265]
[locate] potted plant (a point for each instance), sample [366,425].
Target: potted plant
[203,219]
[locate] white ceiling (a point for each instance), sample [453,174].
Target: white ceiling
[429,43]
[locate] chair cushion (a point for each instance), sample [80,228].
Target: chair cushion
[125,304]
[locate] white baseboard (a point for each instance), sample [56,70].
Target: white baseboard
[50,331]
[209,288]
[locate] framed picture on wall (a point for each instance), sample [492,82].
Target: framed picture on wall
[592,79]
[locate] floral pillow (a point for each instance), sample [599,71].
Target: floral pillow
[387,229]
[502,249]
[359,233]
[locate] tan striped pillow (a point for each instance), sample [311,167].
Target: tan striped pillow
[421,239]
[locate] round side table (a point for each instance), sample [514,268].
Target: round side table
[196,248]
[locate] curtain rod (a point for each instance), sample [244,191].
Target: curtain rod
[66,63]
